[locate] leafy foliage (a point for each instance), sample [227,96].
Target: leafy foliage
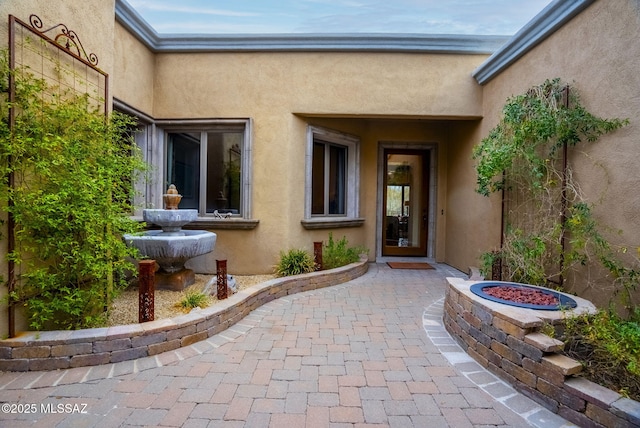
[522,155]
[336,254]
[193,299]
[294,262]
[533,129]
[609,349]
[73,172]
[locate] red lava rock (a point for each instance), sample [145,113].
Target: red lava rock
[522,295]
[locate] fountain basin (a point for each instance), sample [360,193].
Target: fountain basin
[172,250]
[171,247]
[169,220]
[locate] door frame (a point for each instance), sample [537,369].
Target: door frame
[432,149]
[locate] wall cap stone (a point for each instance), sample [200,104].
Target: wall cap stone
[567,366]
[591,391]
[544,342]
[627,409]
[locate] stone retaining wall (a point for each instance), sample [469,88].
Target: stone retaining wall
[51,350]
[507,341]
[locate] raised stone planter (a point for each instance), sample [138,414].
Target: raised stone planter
[507,341]
[51,350]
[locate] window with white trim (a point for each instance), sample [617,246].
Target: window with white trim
[332,174]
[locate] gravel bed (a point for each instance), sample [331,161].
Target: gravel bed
[124,309]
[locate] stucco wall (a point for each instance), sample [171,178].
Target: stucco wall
[598,54]
[133,71]
[473,221]
[252,84]
[280,211]
[376,97]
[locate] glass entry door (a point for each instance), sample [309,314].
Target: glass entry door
[405,202]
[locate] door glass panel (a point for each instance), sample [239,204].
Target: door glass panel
[398,200]
[405,208]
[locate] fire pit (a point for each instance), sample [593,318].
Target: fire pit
[509,339]
[523,296]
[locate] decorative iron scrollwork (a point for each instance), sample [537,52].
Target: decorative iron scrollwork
[66,38]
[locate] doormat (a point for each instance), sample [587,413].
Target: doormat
[409,265]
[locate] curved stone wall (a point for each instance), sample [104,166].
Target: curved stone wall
[51,350]
[507,341]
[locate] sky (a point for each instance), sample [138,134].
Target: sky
[471,17]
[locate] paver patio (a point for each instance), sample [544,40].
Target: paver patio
[370,352]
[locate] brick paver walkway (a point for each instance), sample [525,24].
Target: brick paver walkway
[371,352]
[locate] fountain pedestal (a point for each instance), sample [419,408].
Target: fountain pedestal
[176,281]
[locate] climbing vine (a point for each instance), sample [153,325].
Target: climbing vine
[73,172]
[528,139]
[549,227]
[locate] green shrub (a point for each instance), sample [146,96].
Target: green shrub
[294,262]
[550,232]
[336,254]
[609,349]
[193,299]
[73,175]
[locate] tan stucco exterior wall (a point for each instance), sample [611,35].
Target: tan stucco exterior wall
[598,54]
[250,84]
[354,93]
[133,71]
[473,221]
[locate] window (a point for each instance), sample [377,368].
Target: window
[209,167]
[332,174]
[208,160]
[329,173]
[206,169]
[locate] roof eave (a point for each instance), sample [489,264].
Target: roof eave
[303,42]
[550,19]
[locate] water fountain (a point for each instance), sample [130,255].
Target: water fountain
[171,247]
